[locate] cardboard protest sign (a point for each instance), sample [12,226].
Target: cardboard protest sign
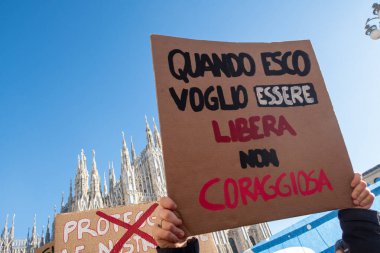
[123,229]
[248,132]
[47,248]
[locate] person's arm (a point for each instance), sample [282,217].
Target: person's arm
[360,226]
[169,233]
[191,246]
[361,229]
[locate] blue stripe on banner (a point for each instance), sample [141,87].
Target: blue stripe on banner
[297,232]
[375,189]
[329,250]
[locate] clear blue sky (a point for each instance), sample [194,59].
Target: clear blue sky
[74,74]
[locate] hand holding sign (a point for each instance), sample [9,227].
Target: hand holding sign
[168,232]
[361,198]
[247,128]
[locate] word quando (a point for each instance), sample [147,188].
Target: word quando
[183,65]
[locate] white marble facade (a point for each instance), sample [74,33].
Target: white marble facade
[142,179]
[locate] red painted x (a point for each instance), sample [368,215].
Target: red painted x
[132,229]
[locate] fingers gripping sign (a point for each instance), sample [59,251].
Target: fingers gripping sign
[169,232]
[361,195]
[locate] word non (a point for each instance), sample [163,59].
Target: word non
[285,95]
[258,158]
[247,190]
[252,128]
[181,65]
[213,98]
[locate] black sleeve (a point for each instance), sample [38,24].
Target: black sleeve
[361,229]
[191,247]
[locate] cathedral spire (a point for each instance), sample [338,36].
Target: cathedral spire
[157,137]
[149,136]
[27,236]
[47,235]
[70,200]
[42,241]
[82,156]
[94,161]
[4,234]
[95,196]
[105,185]
[84,159]
[134,157]
[125,158]
[111,178]
[123,139]
[52,227]
[63,201]
[127,176]
[12,232]
[94,171]
[81,184]
[83,164]
[79,164]
[34,238]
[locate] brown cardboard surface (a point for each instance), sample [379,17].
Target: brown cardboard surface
[47,248]
[298,162]
[88,232]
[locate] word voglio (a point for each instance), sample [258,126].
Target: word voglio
[213,98]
